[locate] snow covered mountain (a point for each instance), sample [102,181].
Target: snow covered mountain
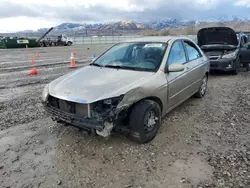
[128,25]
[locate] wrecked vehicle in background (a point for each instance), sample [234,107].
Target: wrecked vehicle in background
[130,87]
[221,46]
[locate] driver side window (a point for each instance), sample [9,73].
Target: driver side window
[177,54]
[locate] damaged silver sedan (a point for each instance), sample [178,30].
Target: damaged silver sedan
[130,87]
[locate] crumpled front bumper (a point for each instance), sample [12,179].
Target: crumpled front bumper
[80,122]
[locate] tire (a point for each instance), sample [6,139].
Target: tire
[203,88]
[46,44]
[235,71]
[69,43]
[237,67]
[139,125]
[248,67]
[41,44]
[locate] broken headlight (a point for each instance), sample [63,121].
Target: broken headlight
[113,101]
[102,109]
[107,103]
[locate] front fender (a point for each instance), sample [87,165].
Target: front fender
[132,97]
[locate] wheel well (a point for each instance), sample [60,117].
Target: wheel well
[207,74]
[155,99]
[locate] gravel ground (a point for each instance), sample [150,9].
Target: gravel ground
[203,143]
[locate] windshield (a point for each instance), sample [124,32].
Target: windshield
[144,56]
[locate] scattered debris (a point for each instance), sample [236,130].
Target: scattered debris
[218,134]
[59,182]
[183,180]
[130,184]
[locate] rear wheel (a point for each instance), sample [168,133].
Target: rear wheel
[41,44]
[47,44]
[69,43]
[144,121]
[203,88]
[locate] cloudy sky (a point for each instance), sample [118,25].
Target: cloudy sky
[18,15]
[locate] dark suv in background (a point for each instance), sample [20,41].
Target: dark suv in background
[222,47]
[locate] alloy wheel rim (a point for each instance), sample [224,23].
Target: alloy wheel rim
[204,85]
[150,121]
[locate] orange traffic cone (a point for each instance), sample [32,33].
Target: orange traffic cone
[32,60]
[37,54]
[72,61]
[33,71]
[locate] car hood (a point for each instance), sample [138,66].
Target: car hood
[90,83]
[217,35]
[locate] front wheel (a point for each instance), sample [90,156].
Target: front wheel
[203,87]
[235,71]
[144,121]
[237,67]
[69,43]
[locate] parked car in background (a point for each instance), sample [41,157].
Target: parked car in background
[130,87]
[222,47]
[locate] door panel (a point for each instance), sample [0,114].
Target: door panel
[245,54]
[177,81]
[195,67]
[177,86]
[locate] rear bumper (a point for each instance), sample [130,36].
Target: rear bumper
[80,122]
[223,64]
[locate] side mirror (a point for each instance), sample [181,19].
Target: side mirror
[176,67]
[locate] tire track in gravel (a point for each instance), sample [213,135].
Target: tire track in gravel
[45,65]
[45,75]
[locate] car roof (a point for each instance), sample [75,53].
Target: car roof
[155,39]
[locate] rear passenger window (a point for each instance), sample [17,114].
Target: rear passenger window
[192,52]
